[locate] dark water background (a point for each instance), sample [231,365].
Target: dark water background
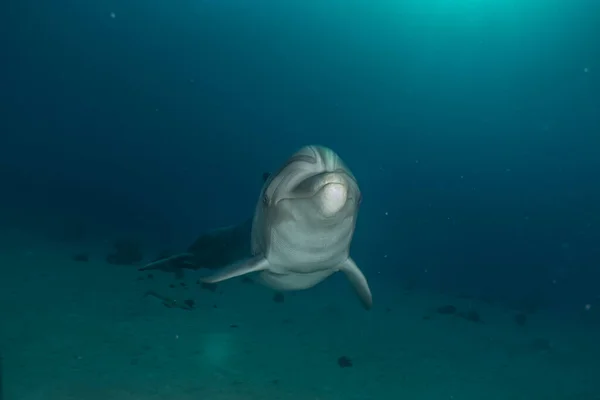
[472,127]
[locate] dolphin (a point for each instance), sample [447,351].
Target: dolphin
[303,226]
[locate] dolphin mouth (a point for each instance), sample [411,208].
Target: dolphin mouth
[312,187]
[329,178]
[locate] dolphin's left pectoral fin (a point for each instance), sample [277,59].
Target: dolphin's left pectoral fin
[164,262]
[358,281]
[255,264]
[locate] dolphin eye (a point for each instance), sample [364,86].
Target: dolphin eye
[359,199]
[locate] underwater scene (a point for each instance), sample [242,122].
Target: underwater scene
[300,200]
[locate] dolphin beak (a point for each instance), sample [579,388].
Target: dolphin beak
[333,197]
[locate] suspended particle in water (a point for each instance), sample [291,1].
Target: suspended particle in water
[113,15]
[587,307]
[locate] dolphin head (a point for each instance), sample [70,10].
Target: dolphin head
[314,185]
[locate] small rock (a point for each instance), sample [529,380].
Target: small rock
[82,257]
[446,310]
[278,298]
[344,362]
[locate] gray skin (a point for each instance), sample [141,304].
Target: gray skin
[303,226]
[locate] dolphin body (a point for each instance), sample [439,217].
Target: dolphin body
[303,225]
[211,250]
[214,249]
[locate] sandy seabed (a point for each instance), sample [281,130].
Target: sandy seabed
[84,330]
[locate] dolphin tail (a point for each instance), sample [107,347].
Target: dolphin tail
[358,281]
[254,264]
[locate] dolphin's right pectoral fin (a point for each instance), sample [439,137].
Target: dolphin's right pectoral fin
[358,281]
[255,264]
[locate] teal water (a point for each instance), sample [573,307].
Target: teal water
[469,125]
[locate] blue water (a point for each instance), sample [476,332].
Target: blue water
[471,127]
